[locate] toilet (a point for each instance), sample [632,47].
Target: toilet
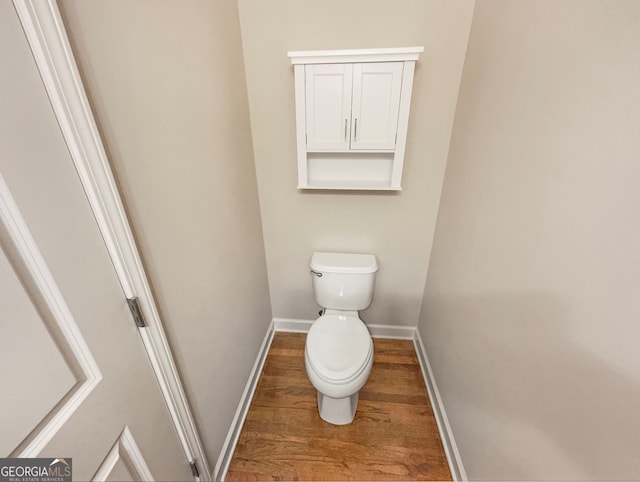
[339,349]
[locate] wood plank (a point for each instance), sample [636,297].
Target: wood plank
[394,435]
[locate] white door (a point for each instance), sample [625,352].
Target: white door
[376,103]
[328,106]
[77,382]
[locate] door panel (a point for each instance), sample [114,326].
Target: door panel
[124,462]
[74,345]
[376,102]
[43,385]
[120,473]
[328,106]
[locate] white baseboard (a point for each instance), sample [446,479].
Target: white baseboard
[391,331]
[446,434]
[291,325]
[222,465]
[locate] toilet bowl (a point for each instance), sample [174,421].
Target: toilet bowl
[338,359]
[339,349]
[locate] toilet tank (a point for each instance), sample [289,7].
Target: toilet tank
[343,281]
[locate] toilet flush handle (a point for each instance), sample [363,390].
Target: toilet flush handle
[315,273]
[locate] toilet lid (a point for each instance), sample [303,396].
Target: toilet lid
[338,346]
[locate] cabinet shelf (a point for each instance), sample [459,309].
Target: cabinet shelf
[350,186]
[352,112]
[350,151]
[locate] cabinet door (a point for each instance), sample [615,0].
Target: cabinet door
[328,106]
[376,102]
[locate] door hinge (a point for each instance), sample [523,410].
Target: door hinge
[194,469]
[136,312]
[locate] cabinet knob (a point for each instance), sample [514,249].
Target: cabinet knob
[355,130]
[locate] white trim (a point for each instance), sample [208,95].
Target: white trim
[392,331]
[43,290]
[126,449]
[446,434]
[403,124]
[292,325]
[301,130]
[47,38]
[229,446]
[357,55]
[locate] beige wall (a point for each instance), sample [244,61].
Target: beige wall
[531,305]
[166,80]
[398,228]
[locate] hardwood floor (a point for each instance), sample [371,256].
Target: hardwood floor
[393,436]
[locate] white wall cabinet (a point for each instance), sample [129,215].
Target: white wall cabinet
[352,112]
[352,106]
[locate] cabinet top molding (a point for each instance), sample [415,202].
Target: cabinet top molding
[352,56]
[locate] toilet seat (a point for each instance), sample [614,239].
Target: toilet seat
[338,348]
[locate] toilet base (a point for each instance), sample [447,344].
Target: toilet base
[338,411]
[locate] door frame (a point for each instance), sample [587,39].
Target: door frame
[54,58]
